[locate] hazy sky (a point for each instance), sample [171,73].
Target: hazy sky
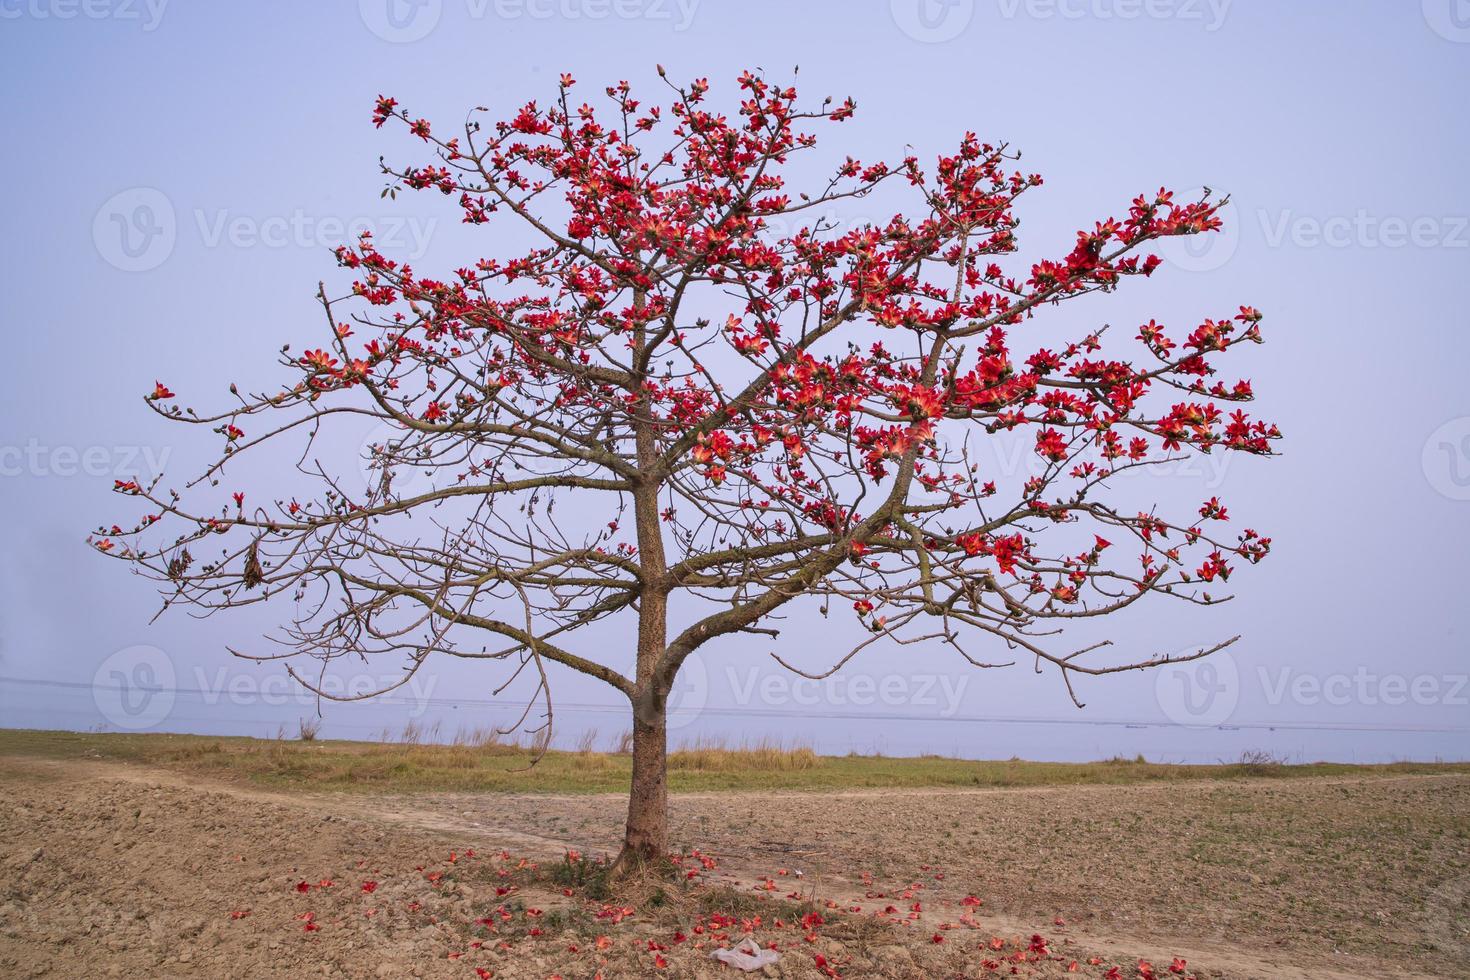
[175,173]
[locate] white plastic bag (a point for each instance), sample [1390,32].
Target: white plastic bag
[747,956]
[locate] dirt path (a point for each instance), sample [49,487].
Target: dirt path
[121,870]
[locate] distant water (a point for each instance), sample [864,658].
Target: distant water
[1060,739]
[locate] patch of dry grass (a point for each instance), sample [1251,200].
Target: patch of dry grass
[485,761]
[712,755]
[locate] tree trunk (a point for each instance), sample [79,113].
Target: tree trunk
[646,838]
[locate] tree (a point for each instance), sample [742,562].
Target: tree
[732,413]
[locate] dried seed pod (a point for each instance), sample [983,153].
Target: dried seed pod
[253,574]
[179,564]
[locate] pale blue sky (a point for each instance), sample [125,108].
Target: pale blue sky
[241,133]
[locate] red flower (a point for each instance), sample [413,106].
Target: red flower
[319,359]
[1006,551]
[383,110]
[1051,444]
[1213,510]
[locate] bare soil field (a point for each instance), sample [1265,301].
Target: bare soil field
[114,868]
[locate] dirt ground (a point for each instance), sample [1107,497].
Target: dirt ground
[109,869]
